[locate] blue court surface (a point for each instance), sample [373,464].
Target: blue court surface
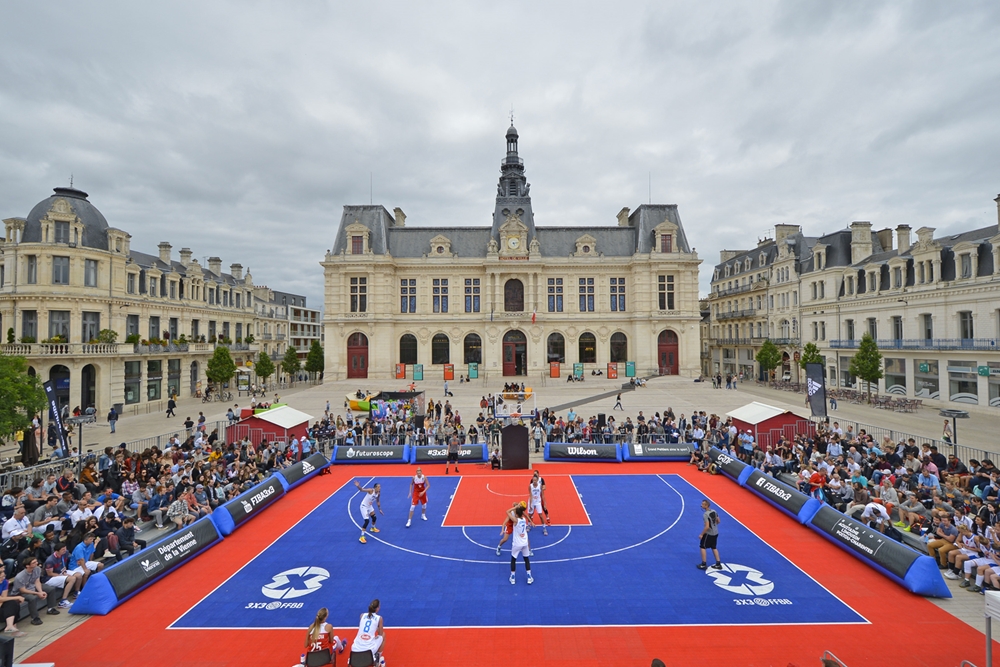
[635,565]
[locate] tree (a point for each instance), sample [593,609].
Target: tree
[768,357]
[867,363]
[315,363]
[291,364]
[221,367]
[10,336]
[23,396]
[810,355]
[265,367]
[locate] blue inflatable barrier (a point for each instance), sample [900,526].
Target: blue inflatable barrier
[567,451]
[97,597]
[786,498]
[656,451]
[247,505]
[304,469]
[371,454]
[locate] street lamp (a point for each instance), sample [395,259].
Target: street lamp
[80,421]
[954,415]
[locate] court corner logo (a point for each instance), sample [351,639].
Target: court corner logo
[281,587]
[741,579]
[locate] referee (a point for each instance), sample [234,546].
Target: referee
[709,536]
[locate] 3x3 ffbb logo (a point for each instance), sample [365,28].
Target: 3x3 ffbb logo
[271,606]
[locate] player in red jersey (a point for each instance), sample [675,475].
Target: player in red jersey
[321,642]
[418,495]
[507,527]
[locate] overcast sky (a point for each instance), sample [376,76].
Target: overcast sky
[242,129]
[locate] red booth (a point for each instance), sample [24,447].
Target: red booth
[767,423]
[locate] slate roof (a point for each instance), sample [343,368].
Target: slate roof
[95,230]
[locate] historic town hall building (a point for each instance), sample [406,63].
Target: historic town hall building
[512,298]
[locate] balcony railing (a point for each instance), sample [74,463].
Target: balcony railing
[731,315]
[785,341]
[984,344]
[98,349]
[740,289]
[733,341]
[266,336]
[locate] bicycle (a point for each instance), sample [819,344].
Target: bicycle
[225,396]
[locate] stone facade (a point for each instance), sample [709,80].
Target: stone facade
[511,298]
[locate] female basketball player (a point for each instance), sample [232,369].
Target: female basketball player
[371,635]
[536,501]
[507,527]
[418,494]
[321,642]
[368,504]
[520,542]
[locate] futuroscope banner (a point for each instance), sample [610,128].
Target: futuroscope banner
[917,572]
[295,474]
[786,498]
[440,454]
[564,451]
[371,454]
[247,505]
[659,451]
[730,465]
[105,590]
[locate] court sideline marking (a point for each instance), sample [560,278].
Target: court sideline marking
[450,501]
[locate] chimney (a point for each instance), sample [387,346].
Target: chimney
[726,255]
[185,256]
[925,235]
[623,217]
[164,252]
[400,217]
[903,237]
[782,232]
[885,239]
[763,242]
[236,270]
[861,241]
[215,265]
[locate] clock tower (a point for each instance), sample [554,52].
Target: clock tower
[513,221]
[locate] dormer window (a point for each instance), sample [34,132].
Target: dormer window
[62,232]
[746,266]
[762,260]
[666,243]
[357,245]
[966,265]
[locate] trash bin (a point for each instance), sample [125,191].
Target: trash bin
[119,407]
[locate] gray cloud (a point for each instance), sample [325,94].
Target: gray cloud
[241,129]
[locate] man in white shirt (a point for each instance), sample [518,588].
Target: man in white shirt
[81,513]
[19,522]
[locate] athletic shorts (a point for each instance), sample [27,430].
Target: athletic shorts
[369,514]
[708,541]
[419,500]
[91,565]
[57,581]
[520,551]
[535,506]
[452,458]
[508,528]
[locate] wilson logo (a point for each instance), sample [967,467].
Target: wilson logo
[581,451]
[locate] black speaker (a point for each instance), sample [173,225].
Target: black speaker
[514,447]
[601,421]
[418,421]
[6,651]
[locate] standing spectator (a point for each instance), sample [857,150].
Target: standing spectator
[112,419]
[189,425]
[446,392]
[618,403]
[171,406]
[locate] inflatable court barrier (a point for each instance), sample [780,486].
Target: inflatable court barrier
[295,474]
[656,451]
[475,453]
[247,505]
[371,454]
[916,572]
[564,451]
[786,498]
[729,465]
[109,588]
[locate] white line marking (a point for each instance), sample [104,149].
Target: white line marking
[450,501]
[546,627]
[306,516]
[768,545]
[580,497]
[569,529]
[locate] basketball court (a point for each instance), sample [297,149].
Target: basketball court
[615,581]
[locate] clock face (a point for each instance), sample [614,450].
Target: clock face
[513,243]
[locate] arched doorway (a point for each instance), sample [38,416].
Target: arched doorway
[59,377]
[440,349]
[513,296]
[587,348]
[357,355]
[473,349]
[88,387]
[619,348]
[194,377]
[556,348]
[515,353]
[666,352]
[786,367]
[408,349]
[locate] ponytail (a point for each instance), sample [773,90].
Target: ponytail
[317,624]
[373,607]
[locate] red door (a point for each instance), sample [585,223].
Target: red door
[666,349]
[515,353]
[357,356]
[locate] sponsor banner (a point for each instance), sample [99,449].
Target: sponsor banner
[872,545]
[160,557]
[371,454]
[582,452]
[816,389]
[653,451]
[728,464]
[787,498]
[465,453]
[243,507]
[50,394]
[296,473]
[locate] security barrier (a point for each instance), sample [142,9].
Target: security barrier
[564,451]
[472,453]
[371,454]
[659,451]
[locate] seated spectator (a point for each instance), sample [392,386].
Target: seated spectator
[18,525]
[10,606]
[178,512]
[83,558]
[943,541]
[28,583]
[57,576]
[912,512]
[127,541]
[48,515]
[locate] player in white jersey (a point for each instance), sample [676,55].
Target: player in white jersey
[368,505]
[371,635]
[877,511]
[536,501]
[988,548]
[519,541]
[418,494]
[968,547]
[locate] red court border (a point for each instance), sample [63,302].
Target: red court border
[905,629]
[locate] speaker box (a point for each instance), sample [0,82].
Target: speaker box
[418,421]
[6,651]
[601,420]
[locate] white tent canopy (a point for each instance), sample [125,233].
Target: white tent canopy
[755,413]
[285,417]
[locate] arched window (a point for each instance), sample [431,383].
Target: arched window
[513,296]
[408,349]
[619,348]
[588,348]
[556,348]
[783,326]
[440,349]
[473,349]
